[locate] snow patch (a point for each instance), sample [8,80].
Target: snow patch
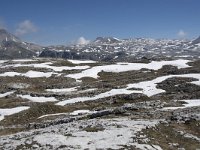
[29,74]
[112,92]
[82,61]
[11,111]
[64,90]
[47,115]
[40,99]
[189,103]
[48,66]
[149,87]
[78,112]
[2,61]
[24,60]
[6,94]
[70,90]
[51,139]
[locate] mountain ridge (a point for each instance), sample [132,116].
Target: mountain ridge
[101,49]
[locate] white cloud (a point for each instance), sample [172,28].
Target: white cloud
[82,41]
[25,27]
[182,34]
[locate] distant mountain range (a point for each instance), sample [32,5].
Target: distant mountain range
[108,40]
[101,49]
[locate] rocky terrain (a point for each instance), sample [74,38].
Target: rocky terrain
[109,94]
[113,49]
[79,104]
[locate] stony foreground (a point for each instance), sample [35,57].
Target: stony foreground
[60,104]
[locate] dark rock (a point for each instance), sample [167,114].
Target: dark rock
[107,40]
[186,115]
[100,114]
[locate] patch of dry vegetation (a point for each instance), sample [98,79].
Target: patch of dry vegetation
[168,135]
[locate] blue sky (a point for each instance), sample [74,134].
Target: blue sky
[49,22]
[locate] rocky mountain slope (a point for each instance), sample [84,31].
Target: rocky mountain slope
[5,36]
[196,41]
[12,47]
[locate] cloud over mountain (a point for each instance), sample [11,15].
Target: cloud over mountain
[182,34]
[82,41]
[25,27]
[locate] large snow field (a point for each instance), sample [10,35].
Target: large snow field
[114,134]
[122,67]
